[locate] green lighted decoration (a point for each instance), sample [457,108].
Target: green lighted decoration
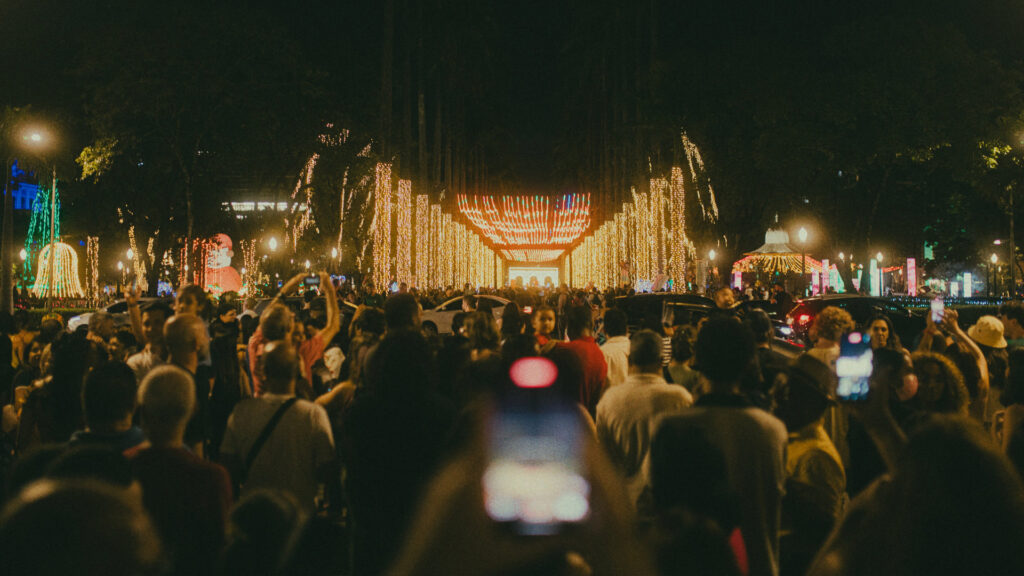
[39,230]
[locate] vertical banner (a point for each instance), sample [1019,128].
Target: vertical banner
[737,280]
[874,279]
[815,280]
[968,284]
[911,277]
[826,275]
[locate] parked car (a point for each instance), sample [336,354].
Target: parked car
[906,324]
[117,309]
[438,320]
[660,308]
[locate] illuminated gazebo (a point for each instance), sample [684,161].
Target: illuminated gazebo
[776,256]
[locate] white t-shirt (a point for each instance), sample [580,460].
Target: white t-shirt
[142,362]
[616,356]
[626,419]
[300,444]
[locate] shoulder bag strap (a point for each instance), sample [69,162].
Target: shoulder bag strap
[267,431]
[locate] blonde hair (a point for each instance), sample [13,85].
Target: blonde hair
[831,323]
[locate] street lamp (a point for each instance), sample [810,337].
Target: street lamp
[334,253]
[881,275]
[802,235]
[711,255]
[34,140]
[130,254]
[993,289]
[272,244]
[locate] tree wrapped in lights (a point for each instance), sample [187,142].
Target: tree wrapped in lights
[65,282]
[403,231]
[39,228]
[382,227]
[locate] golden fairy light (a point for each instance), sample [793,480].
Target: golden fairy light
[403,231]
[382,226]
[92,269]
[434,257]
[65,273]
[422,238]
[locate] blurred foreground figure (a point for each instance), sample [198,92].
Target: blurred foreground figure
[83,528]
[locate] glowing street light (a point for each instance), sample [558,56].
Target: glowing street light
[994,259]
[334,252]
[120,265]
[130,254]
[802,235]
[711,255]
[23,255]
[272,244]
[306,264]
[842,257]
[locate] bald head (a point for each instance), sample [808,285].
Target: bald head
[184,335]
[167,398]
[280,367]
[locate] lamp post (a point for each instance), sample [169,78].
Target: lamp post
[993,289]
[881,275]
[30,139]
[802,235]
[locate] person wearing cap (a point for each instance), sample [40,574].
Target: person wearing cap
[812,459]
[815,476]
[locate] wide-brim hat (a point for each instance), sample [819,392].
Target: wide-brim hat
[988,331]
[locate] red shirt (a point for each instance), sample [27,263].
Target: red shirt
[188,499]
[310,351]
[594,368]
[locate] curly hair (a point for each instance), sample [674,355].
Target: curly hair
[831,323]
[948,395]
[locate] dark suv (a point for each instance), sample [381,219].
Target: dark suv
[906,325]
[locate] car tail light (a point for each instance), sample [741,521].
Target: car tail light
[804,319]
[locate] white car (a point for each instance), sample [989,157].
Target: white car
[118,310]
[439,319]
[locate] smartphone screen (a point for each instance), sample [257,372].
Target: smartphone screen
[312,281]
[534,479]
[938,310]
[854,367]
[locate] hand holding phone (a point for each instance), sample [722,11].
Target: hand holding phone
[938,310]
[312,280]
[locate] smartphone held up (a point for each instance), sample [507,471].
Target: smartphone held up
[938,310]
[534,480]
[854,367]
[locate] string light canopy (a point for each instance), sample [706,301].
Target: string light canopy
[522,225]
[531,254]
[65,271]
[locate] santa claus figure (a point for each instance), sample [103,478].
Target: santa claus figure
[220,276]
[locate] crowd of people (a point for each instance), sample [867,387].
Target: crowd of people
[204,438]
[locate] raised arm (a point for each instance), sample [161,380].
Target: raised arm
[285,290]
[333,312]
[131,296]
[951,324]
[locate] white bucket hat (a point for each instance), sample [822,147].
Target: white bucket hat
[988,332]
